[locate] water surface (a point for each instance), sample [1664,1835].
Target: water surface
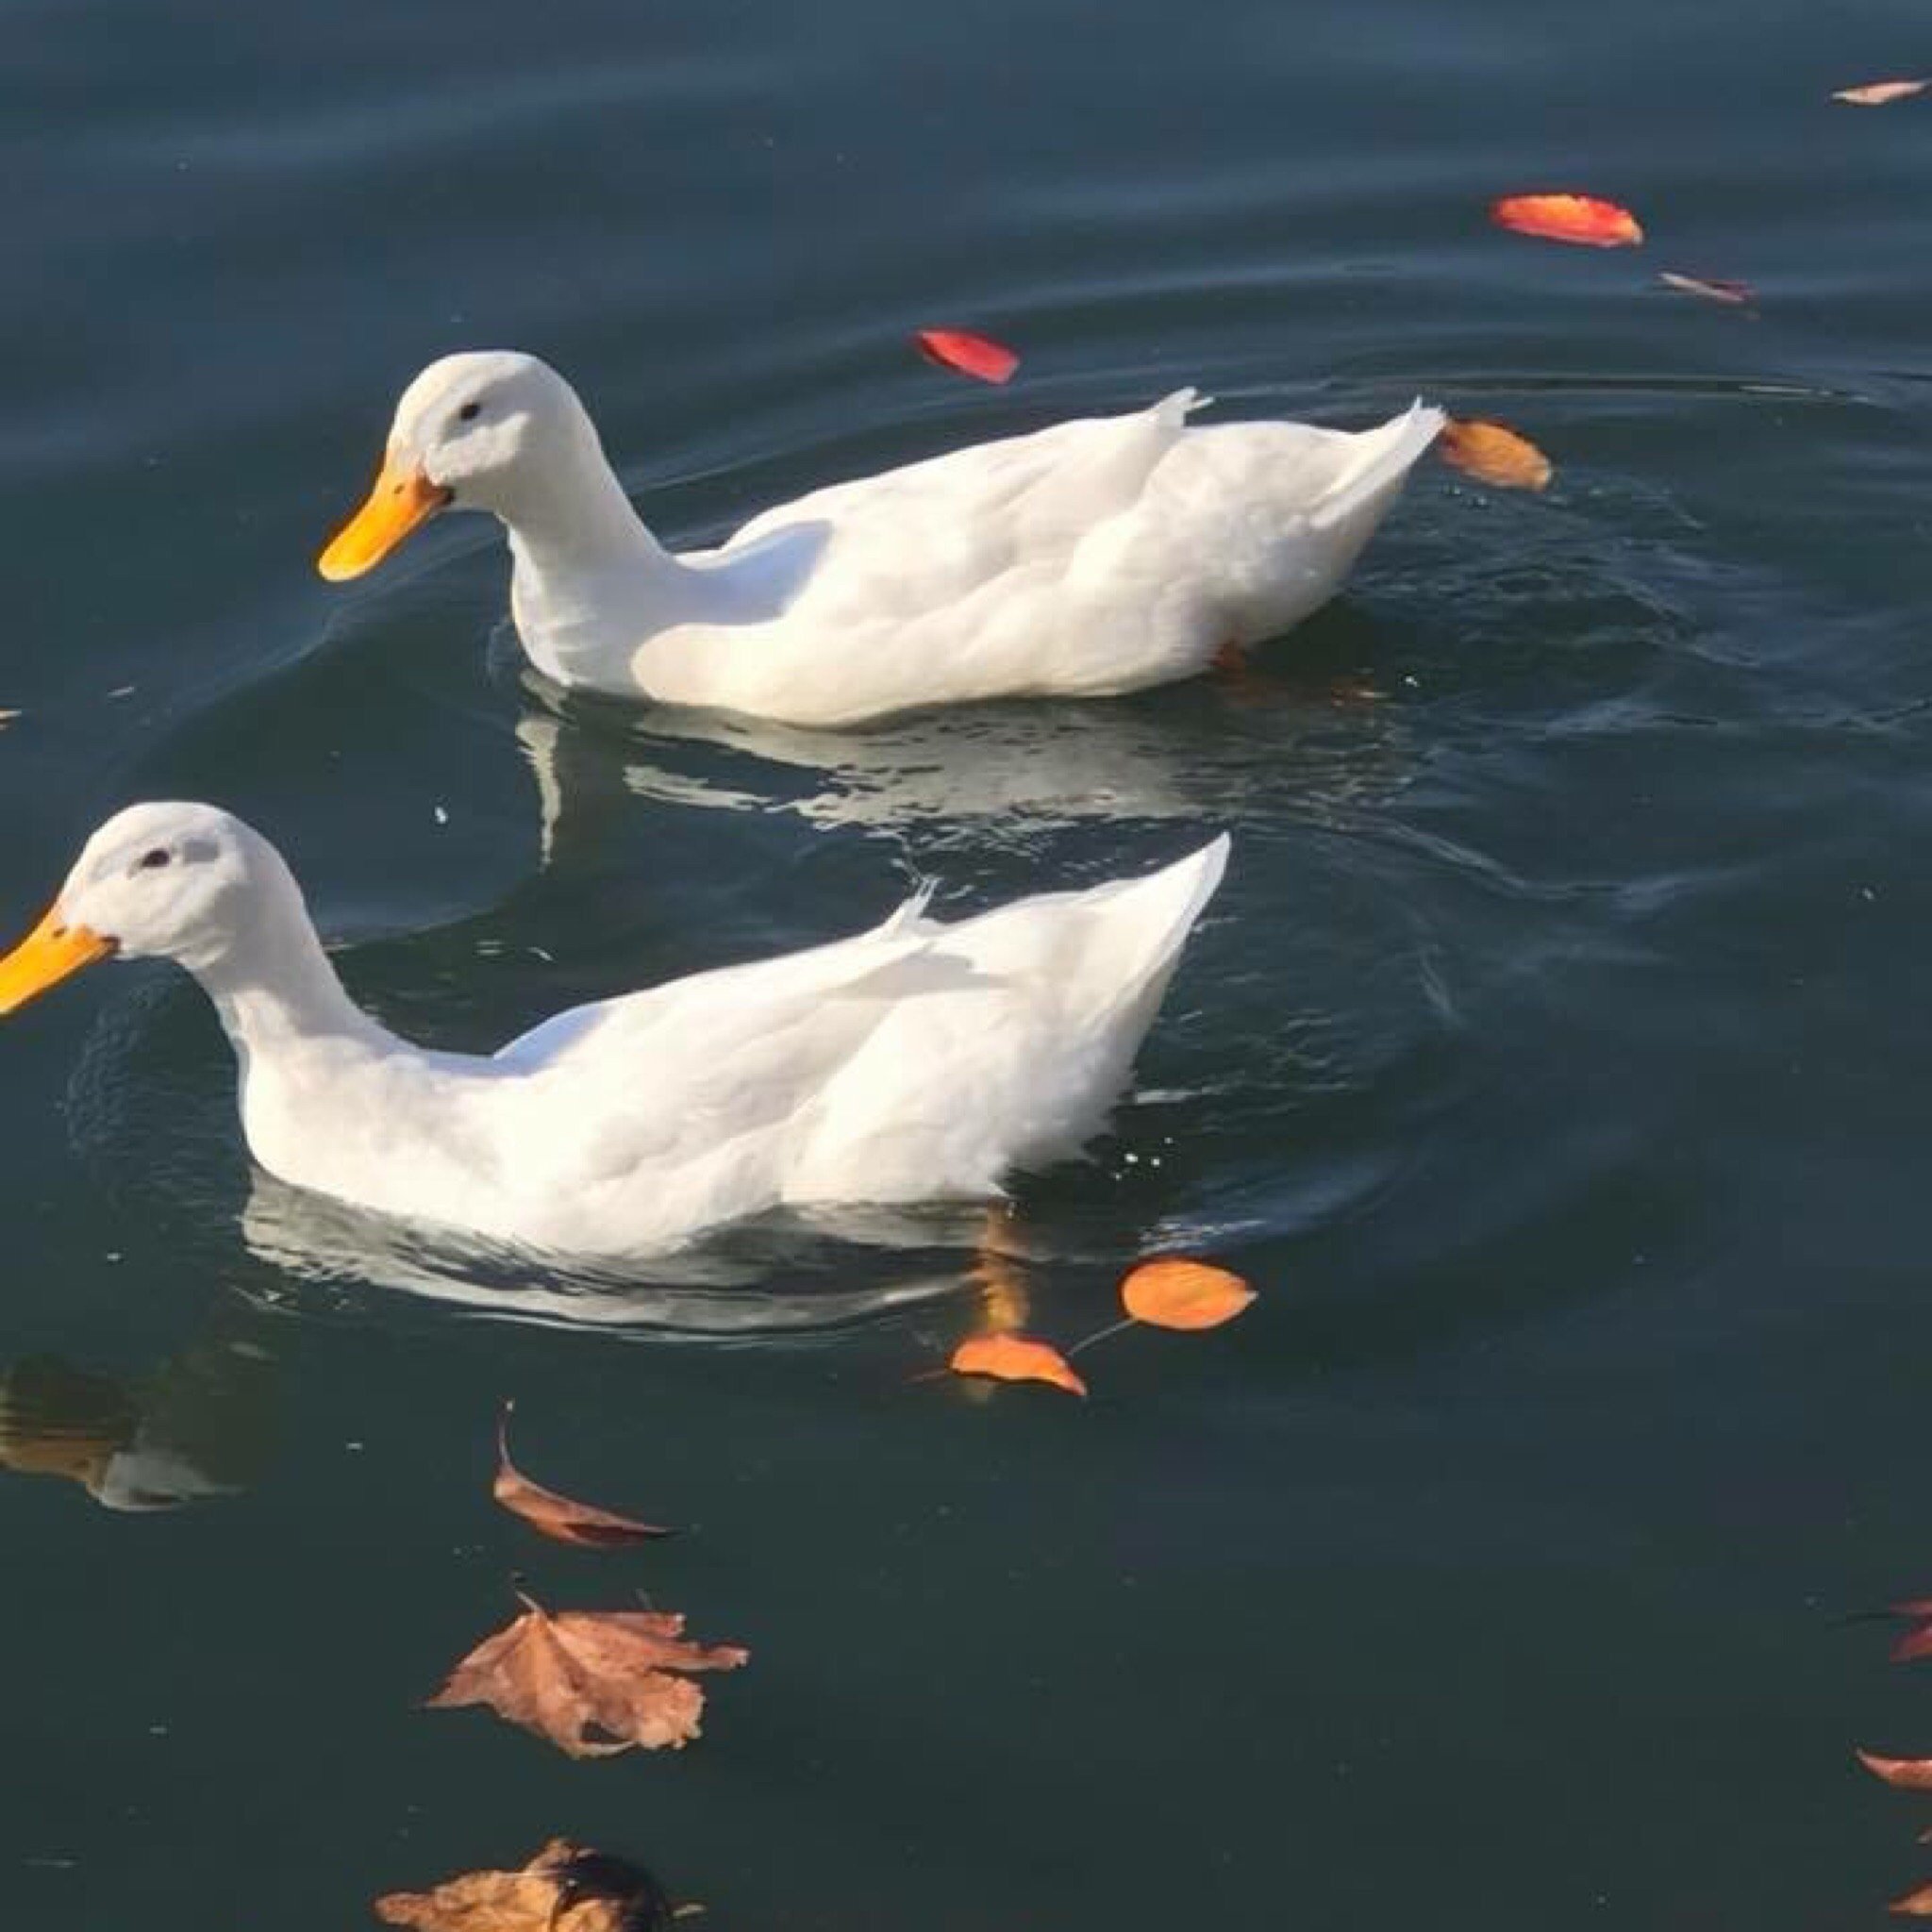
[1552,1061]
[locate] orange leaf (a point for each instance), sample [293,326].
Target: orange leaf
[565,1886]
[1875,93]
[594,1682]
[1014,1358]
[1915,1905]
[1493,453]
[1736,294]
[1579,218]
[1907,1774]
[556,1516]
[1178,1293]
[956,348]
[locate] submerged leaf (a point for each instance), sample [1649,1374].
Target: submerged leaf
[1174,1292]
[1583,219]
[1907,1774]
[972,355]
[1875,93]
[594,1682]
[1015,1359]
[565,1885]
[1733,294]
[556,1516]
[1493,453]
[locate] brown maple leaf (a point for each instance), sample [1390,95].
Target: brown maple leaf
[565,1888]
[552,1515]
[594,1682]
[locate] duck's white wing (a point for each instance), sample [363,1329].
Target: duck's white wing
[688,1067]
[946,524]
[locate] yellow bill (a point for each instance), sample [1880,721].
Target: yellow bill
[402,498]
[46,957]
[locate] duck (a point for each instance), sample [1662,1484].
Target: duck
[918,1060]
[1086,559]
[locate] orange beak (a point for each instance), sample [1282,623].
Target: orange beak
[46,957]
[402,498]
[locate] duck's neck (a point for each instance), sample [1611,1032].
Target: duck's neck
[591,582]
[277,992]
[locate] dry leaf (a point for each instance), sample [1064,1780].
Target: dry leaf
[1875,93]
[1493,453]
[1913,1646]
[1015,1359]
[1174,1292]
[1914,1904]
[1734,294]
[1583,219]
[956,348]
[6,717]
[1907,1774]
[566,1887]
[594,1682]
[556,1516]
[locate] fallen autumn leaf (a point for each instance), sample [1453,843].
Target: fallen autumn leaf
[566,1887]
[594,1682]
[1583,219]
[556,1516]
[972,355]
[1735,294]
[1907,1774]
[1493,453]
[1876,93]
[1015,1359]
[1174,1292]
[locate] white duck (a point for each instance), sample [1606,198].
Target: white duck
[915,1062]
[1083,560]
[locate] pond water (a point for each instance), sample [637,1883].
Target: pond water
[1552,1061]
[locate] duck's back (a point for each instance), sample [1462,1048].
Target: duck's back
[1084,560]
[913,1061]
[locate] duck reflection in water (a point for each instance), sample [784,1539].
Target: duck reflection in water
[197,1427]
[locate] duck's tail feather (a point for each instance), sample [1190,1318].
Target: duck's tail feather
[1384,456]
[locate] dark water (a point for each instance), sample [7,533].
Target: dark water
[1554,1060]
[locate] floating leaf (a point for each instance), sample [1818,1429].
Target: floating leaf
[1584,219]
[594,1682]
[1914,1904]
[1493,453]
[565,1885]
[1875,93]
[1173,1293]
[556,1516]
[1735,294]
[6,717]
[980,356]
[1907,1774]
[1015,1359]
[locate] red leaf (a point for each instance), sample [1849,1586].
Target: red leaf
[552,1515]
[1015,1359]
[1875,93]
[1907,1774]
[970,354]
[1583,219]
[1175,1292]
[1736,294]
[1493,453]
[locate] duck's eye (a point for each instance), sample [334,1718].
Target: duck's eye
[469,413]
[152,859]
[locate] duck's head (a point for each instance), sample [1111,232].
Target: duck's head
[474,431]
[173,881]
